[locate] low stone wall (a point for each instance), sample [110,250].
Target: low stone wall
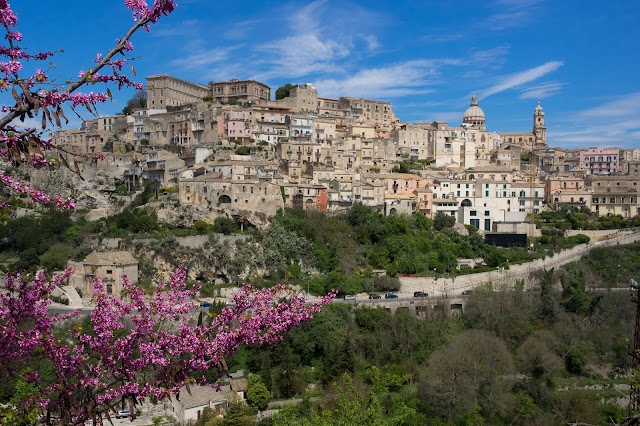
[507,277]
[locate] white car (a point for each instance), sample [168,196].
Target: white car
[349,297]
[123,414]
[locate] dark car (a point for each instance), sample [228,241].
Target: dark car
[467,292]
[374,296]
[205,304]
[390,296]
[420,294]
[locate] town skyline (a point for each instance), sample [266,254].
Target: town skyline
[426,60]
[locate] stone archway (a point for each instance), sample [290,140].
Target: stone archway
[224,199]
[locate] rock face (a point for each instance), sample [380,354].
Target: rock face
[460,229]
[184,215]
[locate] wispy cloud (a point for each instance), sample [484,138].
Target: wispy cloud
[372,42]
[511,13]
[203,58]
[542,90]
[240,30]
[613,123]
[520,78]
[402,79]
[624,106]
[442,37]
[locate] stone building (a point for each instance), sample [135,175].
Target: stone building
[231,197]
[240,91]
[536,138]
[109,266]
[614,195]
[165,91]
[367,111]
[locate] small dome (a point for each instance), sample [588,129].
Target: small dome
[538,108]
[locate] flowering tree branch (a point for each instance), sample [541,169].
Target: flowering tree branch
[130,350]
[19,146]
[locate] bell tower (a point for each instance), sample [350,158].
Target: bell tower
[539,128]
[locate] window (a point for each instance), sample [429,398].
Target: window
[475,222]
[109,271]
[487,224]
[487,212]
[486,193]
[473,213]
[612,200]
[595,200]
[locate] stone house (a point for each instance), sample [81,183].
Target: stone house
[110,266]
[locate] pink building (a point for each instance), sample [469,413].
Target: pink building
[235,125]
[600,161]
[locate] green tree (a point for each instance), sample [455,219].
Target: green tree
[224,225]
[137,101]
[471,370]
[237,414]
[56,257]
[443,221]
[257,393]
[283,91]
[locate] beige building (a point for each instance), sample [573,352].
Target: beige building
[240,91]
[534,139]
[231,197]
[110,266]
[303,98]
[165,91]
[367,111]
[614,195]
[414,141]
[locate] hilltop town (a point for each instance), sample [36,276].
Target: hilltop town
[229,150]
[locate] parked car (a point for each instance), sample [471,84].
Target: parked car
[349,297]
[420,294]
[390,296]
[467,292]
[205,304]
[374,296]
[121,414]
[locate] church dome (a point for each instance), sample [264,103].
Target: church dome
[474,115]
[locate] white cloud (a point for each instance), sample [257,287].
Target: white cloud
[202,58]
[372,42]
[511,13]
[542,90]
[402,79]
[624,106]
[442,37]
[240,30]
[523,77]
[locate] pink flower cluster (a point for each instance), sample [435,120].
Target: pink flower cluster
[134,348]
[37,196]
[48,103]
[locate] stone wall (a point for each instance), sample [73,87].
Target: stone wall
[528,272]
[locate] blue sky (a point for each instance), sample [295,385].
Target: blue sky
[579,58]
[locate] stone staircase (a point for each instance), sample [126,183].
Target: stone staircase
[72,295]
